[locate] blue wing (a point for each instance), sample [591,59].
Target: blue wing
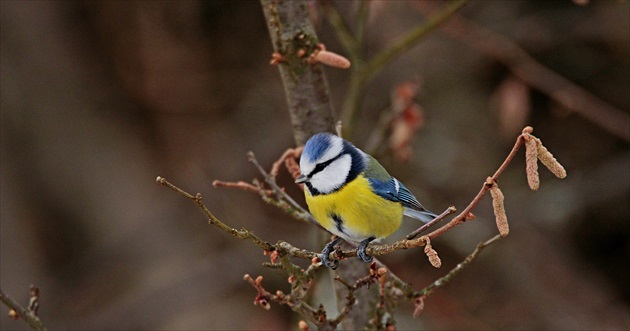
[394,190]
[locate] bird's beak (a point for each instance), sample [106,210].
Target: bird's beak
[301,179]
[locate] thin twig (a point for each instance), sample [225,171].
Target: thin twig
[213,220]
[363,71]
[268,196]
[448,211]
[347,39]
[525,67]
[295,251]
[367,280]
[280,193]
[270,180]
[442,281]
[484,188]
[400,45]
[378,136]
[289,153]
[363,13]
[243,186]
[282,246]
[28,315]
[163,181]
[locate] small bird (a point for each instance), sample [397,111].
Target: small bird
[351,195]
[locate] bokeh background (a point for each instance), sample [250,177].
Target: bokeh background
[98,98]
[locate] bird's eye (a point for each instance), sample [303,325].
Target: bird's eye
[320,166]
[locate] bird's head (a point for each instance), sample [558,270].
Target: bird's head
[328,162]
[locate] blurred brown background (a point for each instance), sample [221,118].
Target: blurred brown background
[98,98]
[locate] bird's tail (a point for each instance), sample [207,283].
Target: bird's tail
[421,215]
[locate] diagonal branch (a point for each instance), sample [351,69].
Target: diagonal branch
[400,45]
[364,70]
[525,67]
[213,220]
[442,281]
[28,315]
[347,39]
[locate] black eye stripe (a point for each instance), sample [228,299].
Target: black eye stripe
[321,166]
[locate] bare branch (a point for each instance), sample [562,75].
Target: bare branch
[243,186]
[442,281]
[347,39]
[525,67]
[280,193]
[400,45]
[28,314]
[364,70]
[448,211]
[213,220]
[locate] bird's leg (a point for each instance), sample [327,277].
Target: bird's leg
[361,250]
[327,250]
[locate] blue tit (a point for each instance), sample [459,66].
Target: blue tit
[352,196]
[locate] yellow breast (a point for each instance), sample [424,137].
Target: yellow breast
[362,213]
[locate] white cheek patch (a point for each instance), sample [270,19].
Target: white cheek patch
[335,148]
[333,176]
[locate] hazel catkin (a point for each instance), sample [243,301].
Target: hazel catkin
[547,159]
[499,210]
[531,162]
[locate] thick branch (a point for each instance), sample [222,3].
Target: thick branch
[306,89]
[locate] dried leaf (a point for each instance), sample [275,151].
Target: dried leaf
[408,118]
[404,95]
[419,307]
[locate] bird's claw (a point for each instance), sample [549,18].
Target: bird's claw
[361,254]
[332,264]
